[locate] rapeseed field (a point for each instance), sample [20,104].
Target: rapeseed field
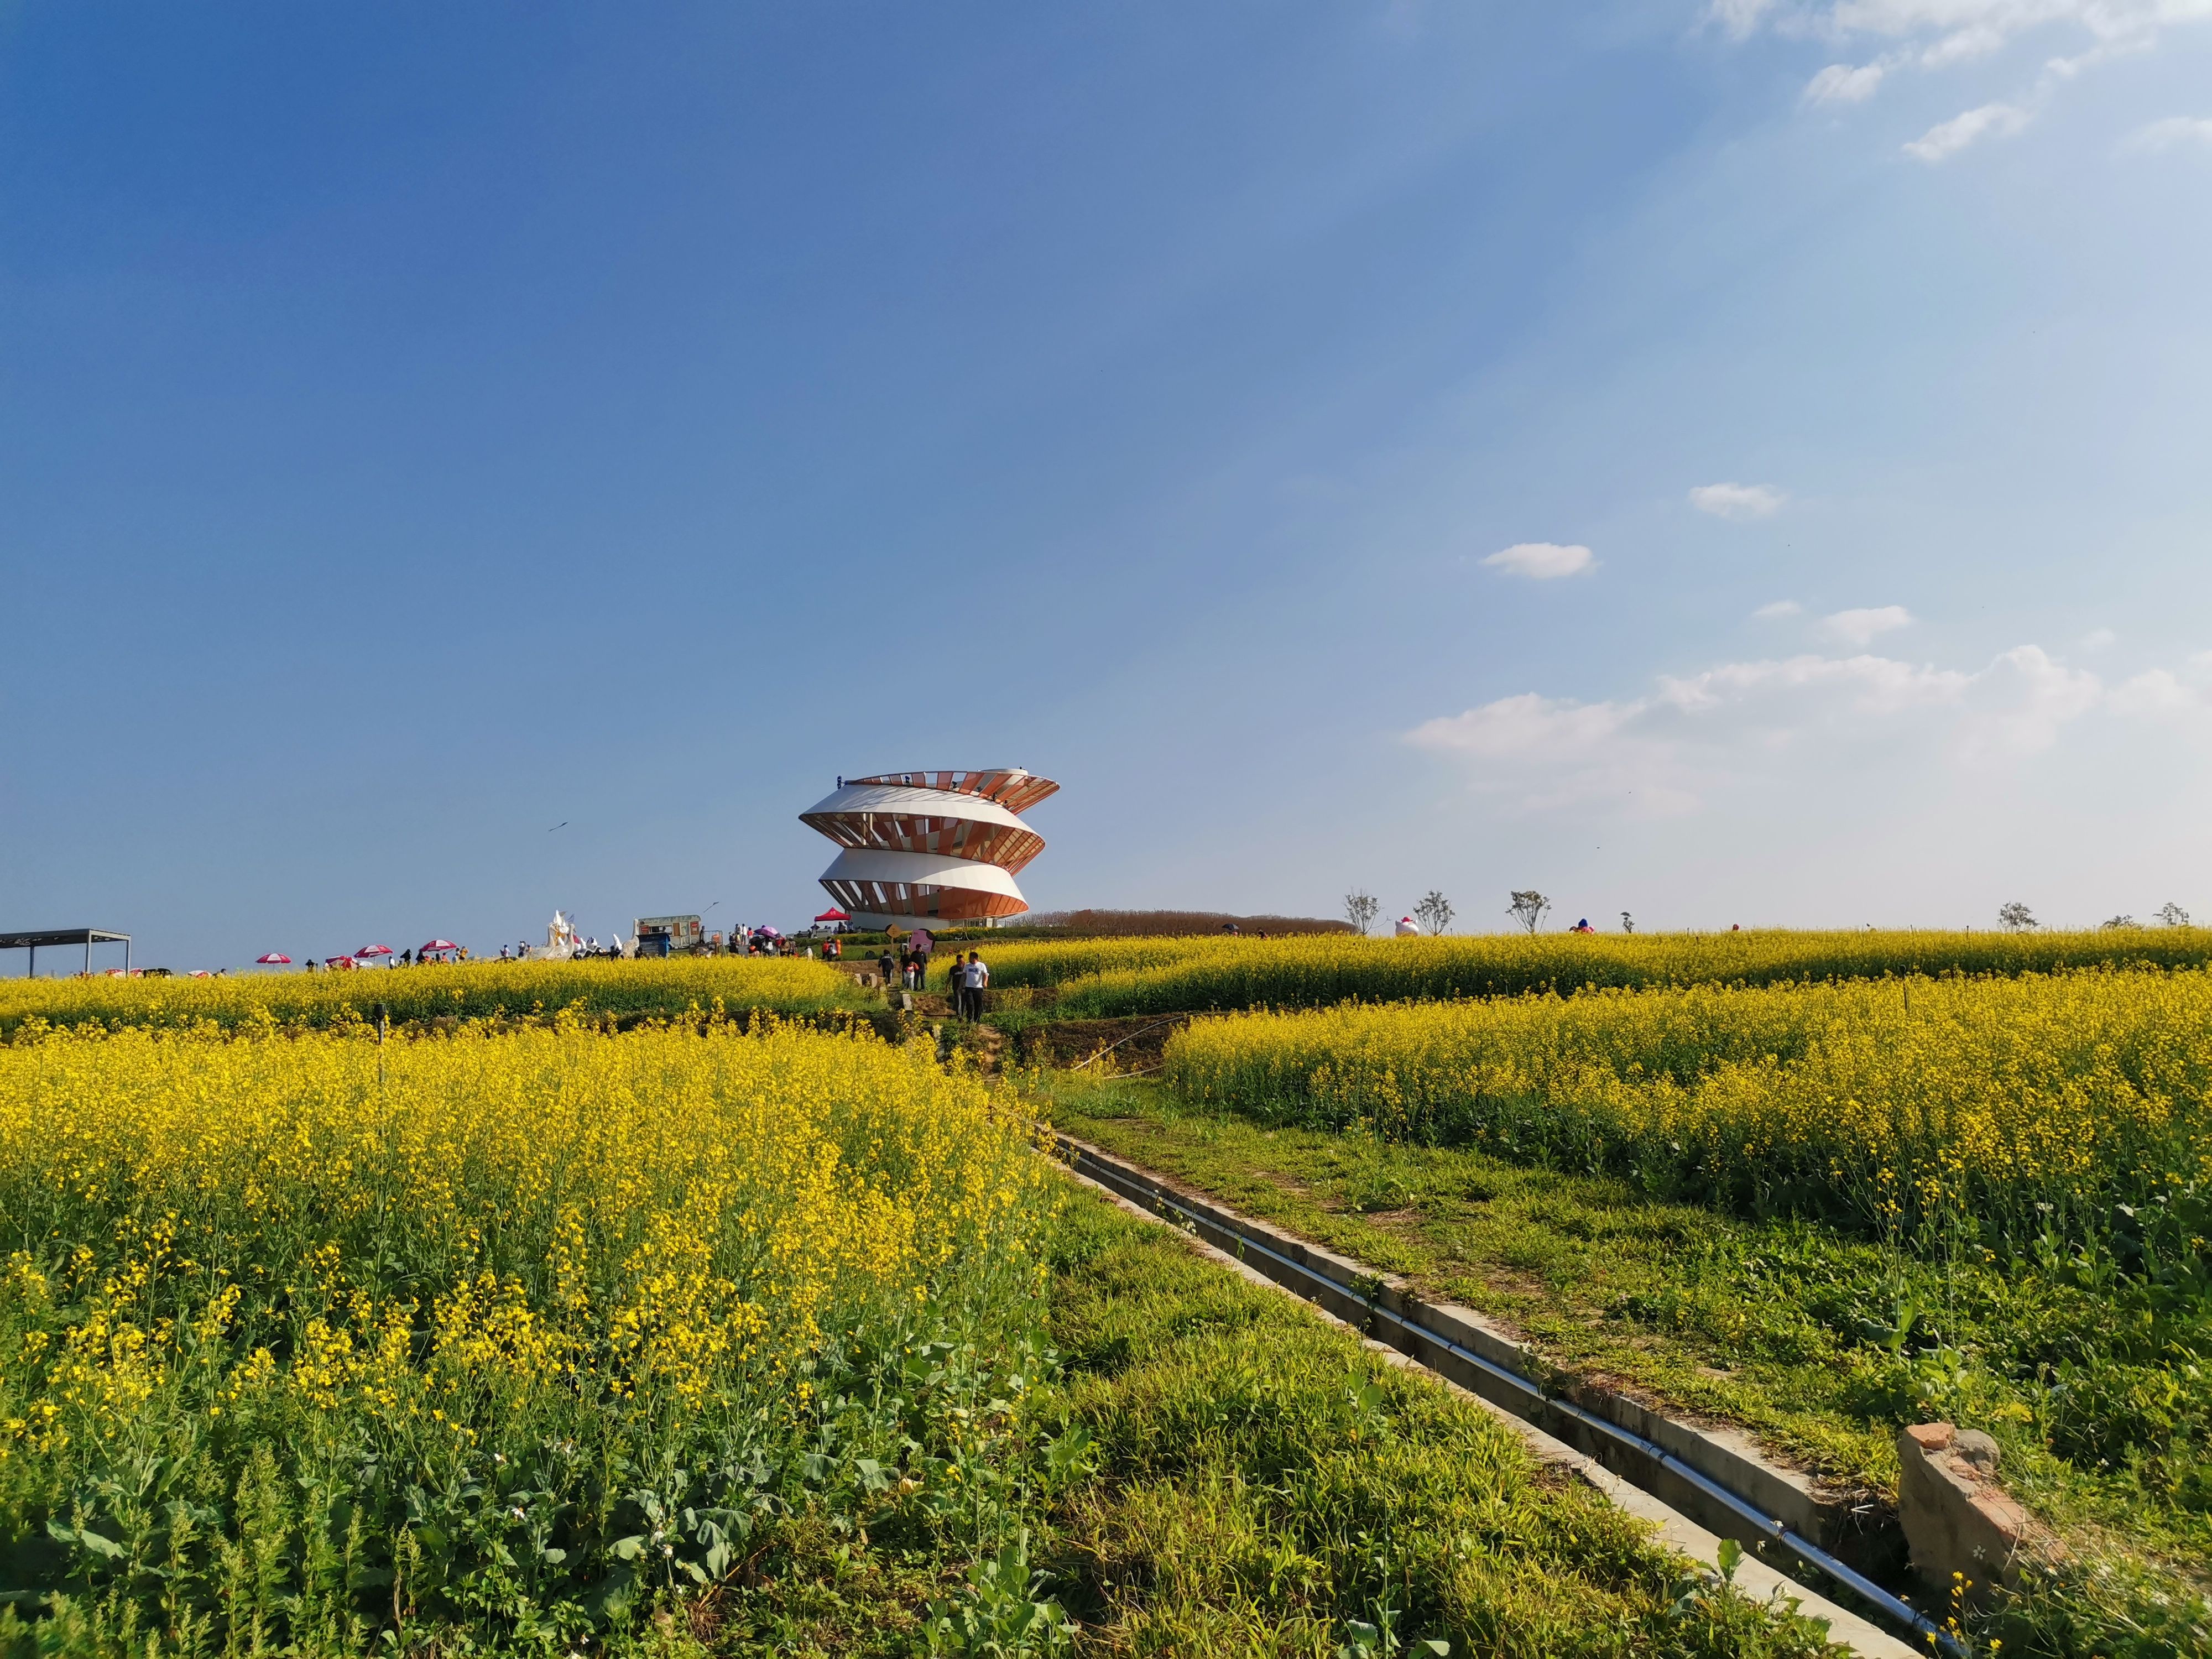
[2060,1107]
[1117,977]
[483,1338]
[701,1339]
[724,986]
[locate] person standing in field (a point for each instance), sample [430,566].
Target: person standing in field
[884,965]
[977,978]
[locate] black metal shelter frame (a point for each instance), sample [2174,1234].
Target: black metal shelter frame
[87,937]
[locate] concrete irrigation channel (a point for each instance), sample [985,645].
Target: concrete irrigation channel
[1696,1483]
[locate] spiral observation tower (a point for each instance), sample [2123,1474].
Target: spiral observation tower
[921,846]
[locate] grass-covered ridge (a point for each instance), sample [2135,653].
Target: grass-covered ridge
[1821,1345]
[1118,977]
[1262,1487]
[737,986]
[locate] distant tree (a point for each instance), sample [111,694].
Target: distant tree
[1434,913]
[1627,922]
[2173,914]
[1360,909]
[2117,922]
[1528,908]
[2016,917]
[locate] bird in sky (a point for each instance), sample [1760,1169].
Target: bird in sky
[563,824]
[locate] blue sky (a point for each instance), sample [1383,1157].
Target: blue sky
[424,426]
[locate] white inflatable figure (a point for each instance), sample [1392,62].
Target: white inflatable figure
[560,940]
[1407,927]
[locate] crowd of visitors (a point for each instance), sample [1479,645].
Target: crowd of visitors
[907,968]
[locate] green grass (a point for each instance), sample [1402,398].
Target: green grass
[1263,1486]
[1216,1473]
[1213,1472]
[1819,1344]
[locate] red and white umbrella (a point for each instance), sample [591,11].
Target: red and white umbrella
[338,962]
[201,973]
[437,944]
[274,955]
[373,951]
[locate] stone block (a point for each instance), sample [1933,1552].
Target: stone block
[1957,1519]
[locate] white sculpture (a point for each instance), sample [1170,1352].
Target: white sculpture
[561,942]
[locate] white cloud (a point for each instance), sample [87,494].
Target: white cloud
[1556,751]
[1860,627]
[1952,29]
[1872,684]
[1777,611]
[1946,138]
[1739,17]
[2173,133]
[2098,638]
[1804,717]
[1963,45]
[1844,83]
[2156,695]
[2018,704]
[1736,501]
[1934,36]
[1659,754]
[1528,726]
[1541,560]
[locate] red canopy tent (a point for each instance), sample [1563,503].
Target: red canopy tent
[833,913]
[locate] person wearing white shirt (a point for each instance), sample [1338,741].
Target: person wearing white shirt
[975,978]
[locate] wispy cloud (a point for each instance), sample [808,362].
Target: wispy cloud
[1946,138]
[1741,17]
[1778,611]
[1933,36]
[1845,83]
[1937,32]
[1861,627]
[2175,132]
[1668,750]
[1737,500]
[1541,560]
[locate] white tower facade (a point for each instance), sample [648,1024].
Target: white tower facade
[924,847]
